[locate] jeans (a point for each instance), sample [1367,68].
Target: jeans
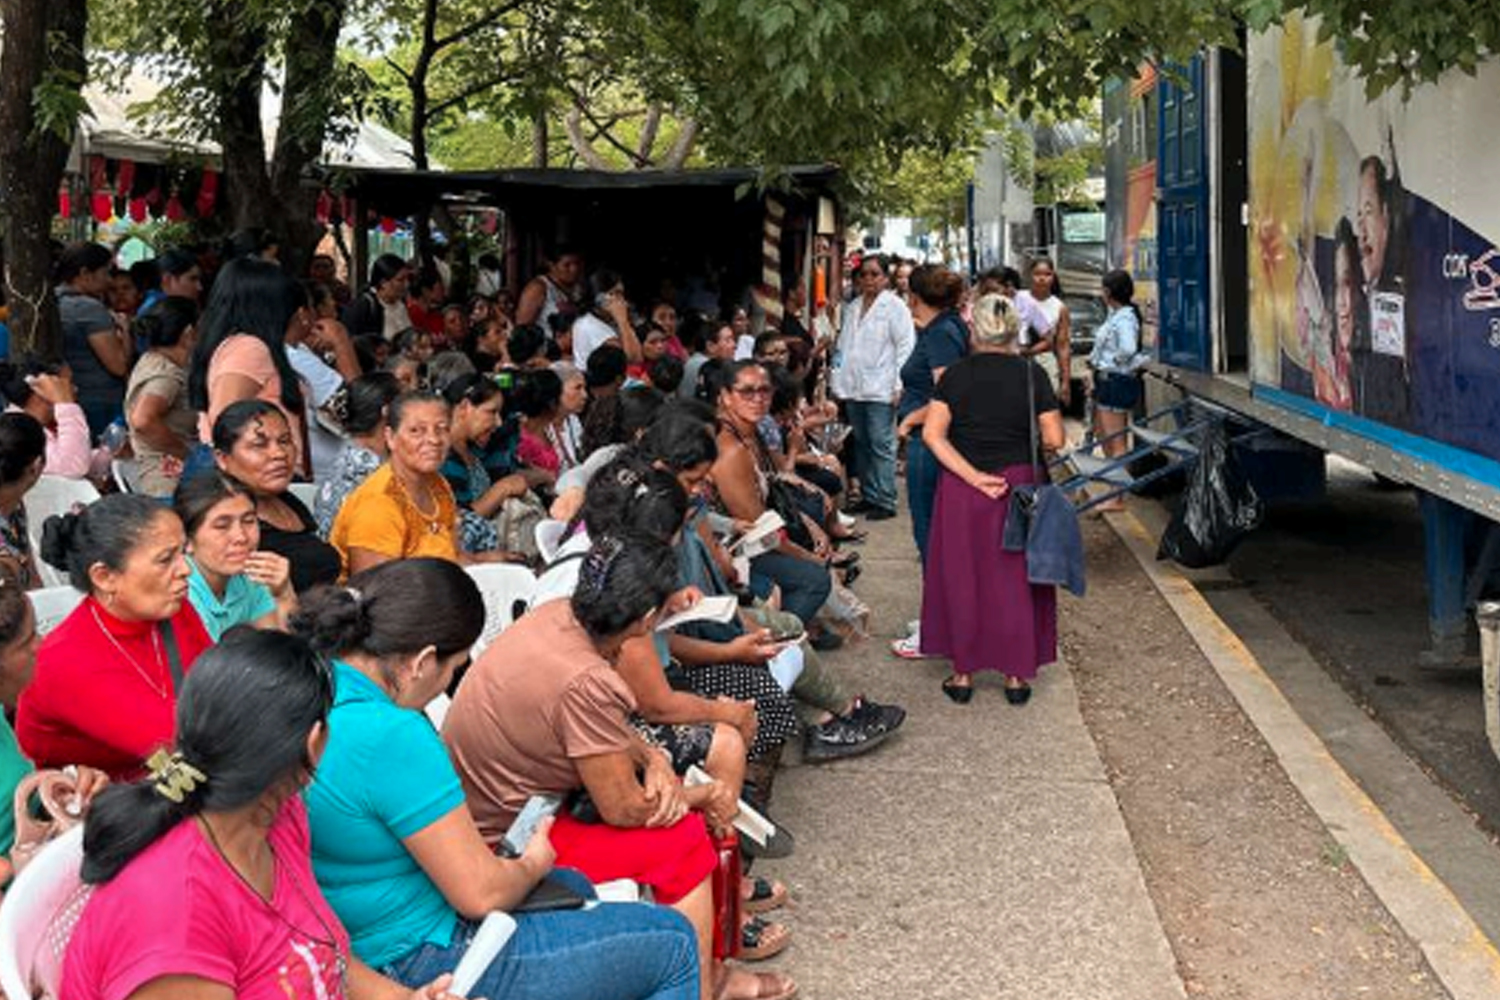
[804,585]
[626,950]
[922,471]
[874,433]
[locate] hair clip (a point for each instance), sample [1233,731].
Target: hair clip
[173,777]
[355,593]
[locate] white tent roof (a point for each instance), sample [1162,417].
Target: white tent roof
[110,130]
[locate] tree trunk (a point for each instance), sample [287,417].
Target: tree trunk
[539,140]
[247,183]
[312,53]
[42,40]
[417,84]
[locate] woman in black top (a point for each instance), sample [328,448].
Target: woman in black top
[253,442]
[978,608]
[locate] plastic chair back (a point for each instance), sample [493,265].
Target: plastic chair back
[53,495]
[549,536]
[37,918]
[306,492]
[127,474]
[507,590]
[52,605]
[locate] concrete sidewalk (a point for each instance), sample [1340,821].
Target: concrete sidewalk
[979,854]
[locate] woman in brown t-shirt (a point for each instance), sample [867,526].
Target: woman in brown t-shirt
[543,712]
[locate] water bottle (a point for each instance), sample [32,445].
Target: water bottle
[115,437]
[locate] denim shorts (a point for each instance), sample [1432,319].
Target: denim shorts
[1113,391]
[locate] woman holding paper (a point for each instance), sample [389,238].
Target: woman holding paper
[394,846]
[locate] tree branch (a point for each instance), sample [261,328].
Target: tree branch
[477,25]
[400,70]
[648,132]
[573,125]
[473,90]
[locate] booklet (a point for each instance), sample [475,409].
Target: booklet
[748,822]
[719,609]
[763,536]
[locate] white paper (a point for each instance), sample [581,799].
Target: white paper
[763,536]
[1388,324]
[711,609]
[786,666]
[493,934]
[747,821]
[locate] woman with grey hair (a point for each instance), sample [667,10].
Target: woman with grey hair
[978,607]
[566,432]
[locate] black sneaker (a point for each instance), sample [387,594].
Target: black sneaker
[841,736]
[887,718]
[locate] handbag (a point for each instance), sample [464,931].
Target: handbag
[1043,567]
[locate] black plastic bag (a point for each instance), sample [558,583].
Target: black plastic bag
[1219,508]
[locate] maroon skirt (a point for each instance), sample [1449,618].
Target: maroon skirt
[978,608]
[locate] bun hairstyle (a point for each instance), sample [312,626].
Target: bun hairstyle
[937,286]
[996,322]
[164,324]
[366,401]
[622,579]
[106,531]
[244,715]
[629,497]
[22,442]
[376,615]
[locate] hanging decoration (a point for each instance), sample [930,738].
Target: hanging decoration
[175,211]
[138,211]
[102,206]
[387,225]
[125,178]
[208,192]
[323,210]
[64,203]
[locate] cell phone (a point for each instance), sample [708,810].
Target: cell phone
[537,808]
[787,636]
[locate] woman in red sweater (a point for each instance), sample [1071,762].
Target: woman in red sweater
[106,680]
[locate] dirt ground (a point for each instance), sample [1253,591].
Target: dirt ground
[1258,900]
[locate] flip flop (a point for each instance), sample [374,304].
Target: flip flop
[765,895]
[761,939]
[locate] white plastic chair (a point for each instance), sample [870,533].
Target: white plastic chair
[306,492]
[127,474]
[437,711]
[507,590]
[52,605]
[549,535]
[41,909]
[53,495]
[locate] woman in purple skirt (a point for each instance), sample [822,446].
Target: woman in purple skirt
[978,608]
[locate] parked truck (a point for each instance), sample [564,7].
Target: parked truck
[1325,263]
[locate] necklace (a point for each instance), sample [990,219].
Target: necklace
[434,520]
[331,941]
[160,689]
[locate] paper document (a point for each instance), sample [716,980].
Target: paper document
[748,822]
[711,609]
[763,536]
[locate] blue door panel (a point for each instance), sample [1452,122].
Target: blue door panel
[1182,220]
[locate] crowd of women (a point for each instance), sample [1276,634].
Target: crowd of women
[240,691]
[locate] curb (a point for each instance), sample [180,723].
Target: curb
[1466,962]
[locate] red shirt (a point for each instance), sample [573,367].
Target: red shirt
[89,704]
[430,322]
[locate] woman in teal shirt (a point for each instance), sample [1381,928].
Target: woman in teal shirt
[395,849]
[18,643]
[234,582]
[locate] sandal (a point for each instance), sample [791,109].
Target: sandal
[762,939]
[767,985]
[764,895]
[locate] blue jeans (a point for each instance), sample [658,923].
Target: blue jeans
[873,427]
[804,585]
[632,950]
[922,472]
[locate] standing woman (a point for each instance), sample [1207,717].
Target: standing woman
[1053,347]
[942,339]
[876,338]
[554,292]
[94,346]
[978,607]
[241,352]
[1116,362]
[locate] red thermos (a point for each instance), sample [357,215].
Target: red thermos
[727,896]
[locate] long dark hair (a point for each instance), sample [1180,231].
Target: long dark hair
[22,442]
[254,297]
[375,614]
[243,718]
[1121,288]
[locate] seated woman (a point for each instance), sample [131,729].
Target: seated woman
[163,426]
[203,882]
[394,846]
[836,723]
[405,508]
[792,451]
[49,396]
[544,712]
[234,582]
[654,341]
[566,433]
[742,477]
[23,448]
[365,406]
[253,442]
[18,643]
[476,402]
[536,397]
[107,677]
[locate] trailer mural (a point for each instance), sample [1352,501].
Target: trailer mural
[1373,228]
[1130,132]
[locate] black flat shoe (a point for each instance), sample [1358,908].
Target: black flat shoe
[846,561]
[879,514]
[959,693]
[853,538]
[1018,695]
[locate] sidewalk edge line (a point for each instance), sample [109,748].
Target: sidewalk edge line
[1466,962]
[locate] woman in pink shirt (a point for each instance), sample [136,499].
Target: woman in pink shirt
[50,398]
[204,879]
[537,397]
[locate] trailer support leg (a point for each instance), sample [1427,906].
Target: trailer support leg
[1443,529]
